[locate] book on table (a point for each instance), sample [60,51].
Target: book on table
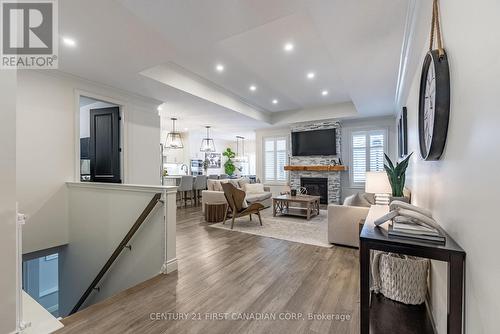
[411,229]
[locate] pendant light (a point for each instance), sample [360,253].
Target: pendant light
[207,144]
[240,155]
[174,140]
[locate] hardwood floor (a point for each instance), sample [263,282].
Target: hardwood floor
[230,275]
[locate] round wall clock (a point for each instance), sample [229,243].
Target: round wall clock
[434,105]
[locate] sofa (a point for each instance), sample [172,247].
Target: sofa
[255,192]
[343,220]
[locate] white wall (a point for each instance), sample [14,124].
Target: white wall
[463,188]
[275,188]
[8,201]
[192,142]
[94,235]
[46,148]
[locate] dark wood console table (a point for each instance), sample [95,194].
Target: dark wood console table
[376,238]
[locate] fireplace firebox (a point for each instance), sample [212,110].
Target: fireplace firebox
[316,186]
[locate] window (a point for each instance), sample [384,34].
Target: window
[367,153]
[275,153]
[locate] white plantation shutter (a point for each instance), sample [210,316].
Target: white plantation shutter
[275,156]
[368,148]
[377,151]
[358,157]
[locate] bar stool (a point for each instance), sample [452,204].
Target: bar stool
[200,183]
[186,186]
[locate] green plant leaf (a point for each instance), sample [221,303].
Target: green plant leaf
[389,162]
[401,167]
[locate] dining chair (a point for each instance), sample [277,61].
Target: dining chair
[200,183]
[185,188]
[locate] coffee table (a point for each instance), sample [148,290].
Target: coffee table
[281,205]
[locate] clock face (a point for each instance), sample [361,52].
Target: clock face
[434,105]
[429,106]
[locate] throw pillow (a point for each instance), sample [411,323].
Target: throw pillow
[235,183]
[254,188]
[211,185]
[358,200]
[243,181]
[219,183]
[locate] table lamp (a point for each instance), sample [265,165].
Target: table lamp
[378,183]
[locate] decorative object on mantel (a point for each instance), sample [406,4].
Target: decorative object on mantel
[397,177]
[207,143]
[434,100]
[174,139]
[377,183]
[318,168]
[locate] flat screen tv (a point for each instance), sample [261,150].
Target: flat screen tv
[316,142]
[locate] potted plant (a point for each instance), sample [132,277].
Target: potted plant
[397,177]
[229,166]
[205,166]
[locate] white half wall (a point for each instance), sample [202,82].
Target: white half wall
[463,188]
[96,232]
[47,125]
[8,201]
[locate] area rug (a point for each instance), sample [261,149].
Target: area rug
[297,229]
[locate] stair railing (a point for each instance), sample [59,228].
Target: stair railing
[123,244]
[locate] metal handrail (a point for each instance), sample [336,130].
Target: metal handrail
[123,244]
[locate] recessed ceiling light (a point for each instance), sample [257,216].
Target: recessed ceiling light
[288,47]
[253,88]
[69,41]
[219,67]
[324,93]
[311,75]
[275,101]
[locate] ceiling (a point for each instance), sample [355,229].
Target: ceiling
[352,46]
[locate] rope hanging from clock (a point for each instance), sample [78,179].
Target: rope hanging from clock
[435,26]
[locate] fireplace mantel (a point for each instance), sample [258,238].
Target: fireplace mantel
[317,168]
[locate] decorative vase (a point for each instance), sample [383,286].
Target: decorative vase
[293,192]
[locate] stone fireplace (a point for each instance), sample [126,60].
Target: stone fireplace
[332,177]
[316,186]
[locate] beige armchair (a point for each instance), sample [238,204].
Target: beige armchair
[343,224]
[343,220]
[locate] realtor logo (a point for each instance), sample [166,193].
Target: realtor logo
[29,34]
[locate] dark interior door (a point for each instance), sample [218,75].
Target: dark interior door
[105,145]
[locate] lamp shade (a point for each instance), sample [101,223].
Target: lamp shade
[174,139]
[377,183]
[207,143]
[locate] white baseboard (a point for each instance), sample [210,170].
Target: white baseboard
[169,266]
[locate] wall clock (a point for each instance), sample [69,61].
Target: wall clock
[434,105]
[434,100]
